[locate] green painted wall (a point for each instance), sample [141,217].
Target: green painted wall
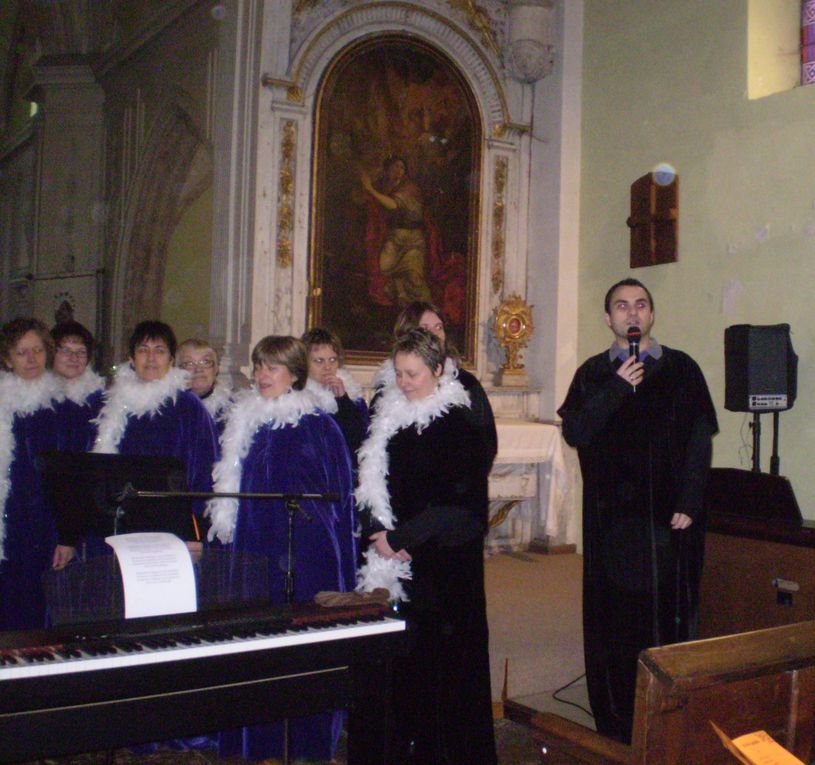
[666,81]
[185,302]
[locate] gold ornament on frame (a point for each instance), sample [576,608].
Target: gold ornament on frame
[513,328]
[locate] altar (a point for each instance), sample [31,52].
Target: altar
[531,488]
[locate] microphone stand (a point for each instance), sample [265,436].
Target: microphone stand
[292,502]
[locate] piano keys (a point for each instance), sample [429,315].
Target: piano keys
[124,682]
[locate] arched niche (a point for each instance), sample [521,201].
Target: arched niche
[284,211]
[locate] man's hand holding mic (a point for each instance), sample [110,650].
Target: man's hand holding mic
[632,369]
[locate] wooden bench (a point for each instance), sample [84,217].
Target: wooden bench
[762,680]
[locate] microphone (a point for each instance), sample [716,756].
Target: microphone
[634,335]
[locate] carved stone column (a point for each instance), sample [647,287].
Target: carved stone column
[234,138]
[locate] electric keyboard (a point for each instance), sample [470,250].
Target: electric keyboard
[118,683]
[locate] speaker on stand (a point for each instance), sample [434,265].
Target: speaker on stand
[761,375]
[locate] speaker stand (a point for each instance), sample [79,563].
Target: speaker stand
[775,460]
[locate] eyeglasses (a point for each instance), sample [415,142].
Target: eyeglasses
[322,361]
[200,364]
[79,353]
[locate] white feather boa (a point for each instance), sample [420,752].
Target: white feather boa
[20,398]
[250,412]
[394,412]
[132,396]
[78,389]
[219,402]
[352,387]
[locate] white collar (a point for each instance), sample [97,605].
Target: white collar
[218,401]
[78,389]
[394,412]
[250,412]
[21,398]
[131,395]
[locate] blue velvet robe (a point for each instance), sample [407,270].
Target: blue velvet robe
[77,431]
[310,457]
[182,428]
[31,533]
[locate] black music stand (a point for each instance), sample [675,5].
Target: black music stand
[97,495]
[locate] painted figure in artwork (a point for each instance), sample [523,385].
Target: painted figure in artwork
[397,267]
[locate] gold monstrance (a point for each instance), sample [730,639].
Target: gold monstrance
[513,328]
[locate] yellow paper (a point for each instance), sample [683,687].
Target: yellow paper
[757,748]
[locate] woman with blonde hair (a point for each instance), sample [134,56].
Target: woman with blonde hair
[423,487]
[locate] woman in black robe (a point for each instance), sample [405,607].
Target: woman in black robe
[423,482]
[423,315]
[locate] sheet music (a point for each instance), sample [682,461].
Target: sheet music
[157,574]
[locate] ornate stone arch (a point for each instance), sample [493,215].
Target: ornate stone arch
[480,67]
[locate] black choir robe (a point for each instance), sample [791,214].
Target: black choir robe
[644,456]
[437,483]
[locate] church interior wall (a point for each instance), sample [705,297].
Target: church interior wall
[185,296]
[158,115]
[667,82]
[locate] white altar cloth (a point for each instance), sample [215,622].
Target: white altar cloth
[530,467]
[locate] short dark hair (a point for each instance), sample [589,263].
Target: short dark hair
[630,282]
[285,350]
[73,330]
[424,344]
[321,336]
[12,332]
[152,330]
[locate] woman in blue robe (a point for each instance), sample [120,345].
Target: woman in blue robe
[149,411]
[76,413]
[83,388]
[278,439]
[29,393]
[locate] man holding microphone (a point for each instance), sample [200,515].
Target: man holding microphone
[642,420]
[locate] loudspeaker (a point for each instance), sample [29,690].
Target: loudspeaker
[760,368]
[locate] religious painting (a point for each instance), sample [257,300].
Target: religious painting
[396,193]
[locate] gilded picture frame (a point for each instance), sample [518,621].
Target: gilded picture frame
[396,195]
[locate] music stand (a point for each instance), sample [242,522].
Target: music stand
[97,495]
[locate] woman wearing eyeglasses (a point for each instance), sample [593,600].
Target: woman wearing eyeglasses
[83,387]
[148,410]
[326,374]
[200,360]
[29,394]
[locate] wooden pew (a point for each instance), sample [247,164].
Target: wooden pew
[761,680]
